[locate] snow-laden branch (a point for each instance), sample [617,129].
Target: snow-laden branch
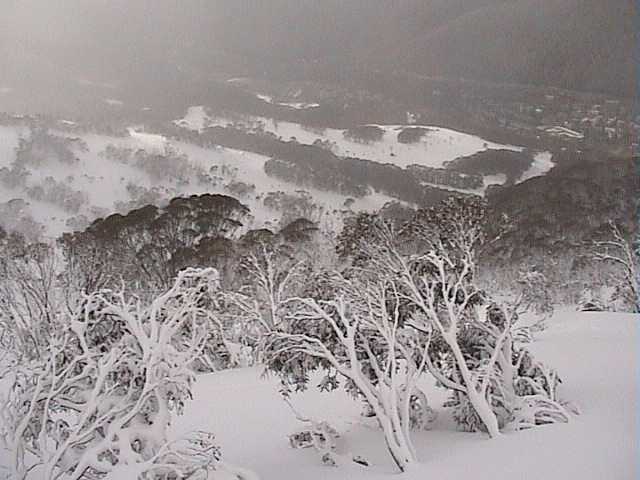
[103,398]
[358,334]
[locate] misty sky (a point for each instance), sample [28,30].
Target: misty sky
[582,44]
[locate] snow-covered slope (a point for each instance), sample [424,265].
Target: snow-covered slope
[110,185]
[597,355]
[107,183]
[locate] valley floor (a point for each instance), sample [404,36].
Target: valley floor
[596,354]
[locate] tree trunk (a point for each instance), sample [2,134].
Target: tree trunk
[478,400]
[399,447]
[485,412]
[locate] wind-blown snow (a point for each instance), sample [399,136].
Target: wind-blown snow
[595,353]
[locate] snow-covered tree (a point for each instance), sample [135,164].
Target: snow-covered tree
[271,278]
[622,253]
[473,350]
[100,400]
[29,299]
[354,332]
[535,292]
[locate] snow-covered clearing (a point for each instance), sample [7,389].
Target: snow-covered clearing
[596,354]
[542,163]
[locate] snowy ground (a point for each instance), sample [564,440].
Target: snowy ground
[596,354]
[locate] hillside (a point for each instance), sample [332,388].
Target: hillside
[569,205]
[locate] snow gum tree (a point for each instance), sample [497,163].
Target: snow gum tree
[100,400]
[407,305]
[353,331]
[472,348]
[270,277]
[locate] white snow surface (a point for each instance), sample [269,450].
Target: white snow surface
[434,149]
[542,163]
[596,354]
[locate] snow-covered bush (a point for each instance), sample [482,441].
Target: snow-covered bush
[536,294]
[352,330]
[100,400]
[470,338]
[523,395]
[409,304]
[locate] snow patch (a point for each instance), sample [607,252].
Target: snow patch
[542,163]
